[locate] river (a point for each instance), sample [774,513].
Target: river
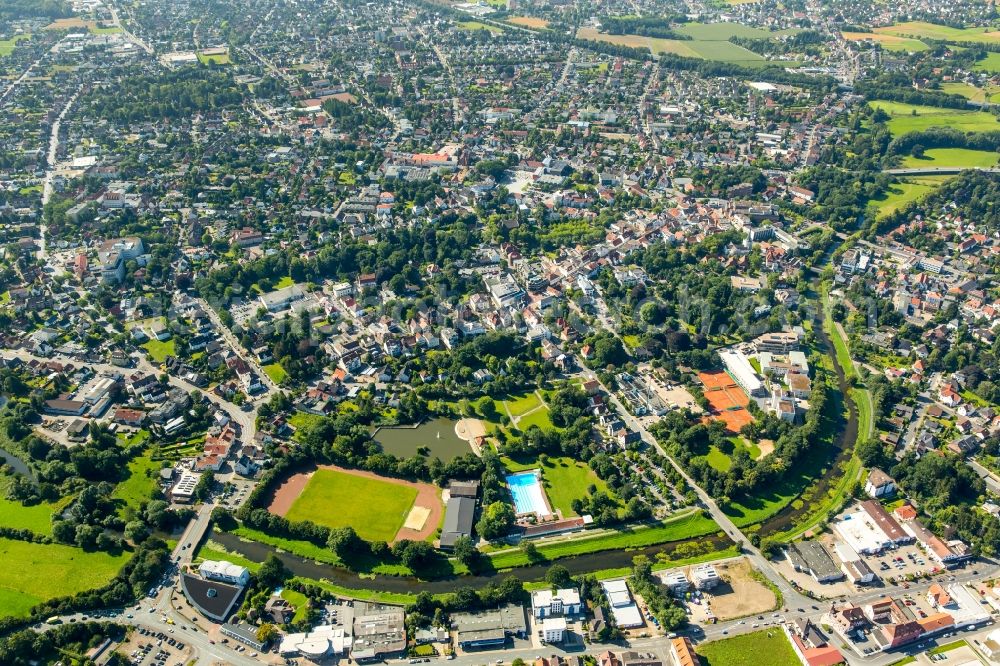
[577,564]
[17,464]
[844,441]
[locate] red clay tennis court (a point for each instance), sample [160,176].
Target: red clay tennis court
[727,400]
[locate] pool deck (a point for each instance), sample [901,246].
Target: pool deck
[537,474]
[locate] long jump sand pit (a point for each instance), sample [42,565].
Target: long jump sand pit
[379,508]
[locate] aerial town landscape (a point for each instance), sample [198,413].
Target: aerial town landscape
[501,332]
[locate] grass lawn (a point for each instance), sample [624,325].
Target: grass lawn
[905,118]
[275,372]
[902,193]
[718,460]
[523,404]
[298,600]
[565,479]
[33,573]
[7,45]
[746,649]
[306,549]
[37,517]
[940,649]
[952,157]
[218,59]
[476,25]
[159,351]
[286,281]
[302,420]
[141,482]
[538,418]
[678,528]
[212,551]
[375,509]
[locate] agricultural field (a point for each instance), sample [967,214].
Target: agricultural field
[709,42]
[991,63]
[92,27]
[734,651]
[888,42]
[33,573]
[902,193]
[952,157]
[529,22]
[922,29]
[904,118]
[564,480]
[376,509]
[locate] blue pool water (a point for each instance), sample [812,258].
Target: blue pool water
[529,496]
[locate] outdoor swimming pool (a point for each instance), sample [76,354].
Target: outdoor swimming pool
[529,496]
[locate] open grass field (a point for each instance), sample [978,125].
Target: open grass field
[748,648]
[139,485]
[539,417]
[7,45]
[275,372]
[529,22]
[523,404]
[966,90]
[919,29]
[159,350]
[214,58]
[718,460]
[952,157]
[565,480]
[682,527]
[376,509]
[37,517]
[902,193]
[33,573]
[476,25]
[892,43]
[906,118]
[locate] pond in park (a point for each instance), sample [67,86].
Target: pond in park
[436,435]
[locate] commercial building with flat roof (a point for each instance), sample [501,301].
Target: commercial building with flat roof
[489,628]
[623,607]
[812,558]
[739,368]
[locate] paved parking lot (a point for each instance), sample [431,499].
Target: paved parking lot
[148,648]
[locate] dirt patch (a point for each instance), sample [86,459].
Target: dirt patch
[766,447]
[285,495]
[739,595]
[470,429]
[428,502]
[529,21]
